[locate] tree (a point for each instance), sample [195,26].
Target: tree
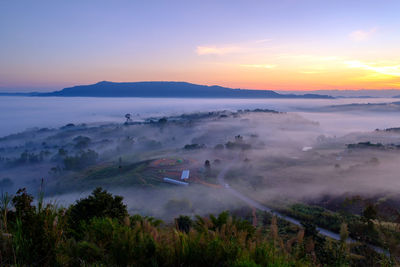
[207,164]
[369,213]
[119,163]
[22,202]
[99,204]
[81,142]
[163,120]
[239,138]
[37,231]
[310,229]
[128,118]
[183,223]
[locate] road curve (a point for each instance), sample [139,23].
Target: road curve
[257,205]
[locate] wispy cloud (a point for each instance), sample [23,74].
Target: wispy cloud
[260,66]
[310,72]
[243,47]
[392,70]
[217,50]
[362,35]
[262,41]
[309,57]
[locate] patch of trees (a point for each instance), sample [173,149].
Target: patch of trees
[163,120]
[368,144]
[30,157]
[394,129]
[318,215]
[363,228]
[260,110]
[238,143]
[81,142]
[81,160]
[194,146]
[365,145]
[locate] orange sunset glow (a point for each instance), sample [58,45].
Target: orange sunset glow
[290,45]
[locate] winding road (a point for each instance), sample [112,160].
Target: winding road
[257,205]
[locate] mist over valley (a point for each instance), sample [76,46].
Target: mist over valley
[286,151]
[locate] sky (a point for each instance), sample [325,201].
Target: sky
[276,45]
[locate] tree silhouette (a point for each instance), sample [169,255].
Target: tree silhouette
[128,117]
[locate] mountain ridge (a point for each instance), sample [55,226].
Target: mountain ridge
[168,89]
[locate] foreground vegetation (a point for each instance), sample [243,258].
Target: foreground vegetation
[97,231]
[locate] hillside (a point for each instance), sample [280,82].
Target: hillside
[168,89]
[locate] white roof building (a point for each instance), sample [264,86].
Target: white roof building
[172,181]
[185,175]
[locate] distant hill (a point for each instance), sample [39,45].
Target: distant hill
[362,93]
[373,107]
[168,89]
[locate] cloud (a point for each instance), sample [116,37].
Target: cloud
[309,57]
[392,70]
[262,41]
[261,66]
[361,35]
[214,50]
[243,47]
[310,72]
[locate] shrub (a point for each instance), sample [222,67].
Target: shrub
[99,204]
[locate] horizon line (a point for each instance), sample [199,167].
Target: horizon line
[20,89]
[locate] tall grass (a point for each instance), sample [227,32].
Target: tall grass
[41,235]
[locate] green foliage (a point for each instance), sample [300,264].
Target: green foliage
[365,145]
[36,231]
[99,204]
[39,236]
[184,223]
[194,146]
[317,215]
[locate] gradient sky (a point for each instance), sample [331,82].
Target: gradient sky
[279,45]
